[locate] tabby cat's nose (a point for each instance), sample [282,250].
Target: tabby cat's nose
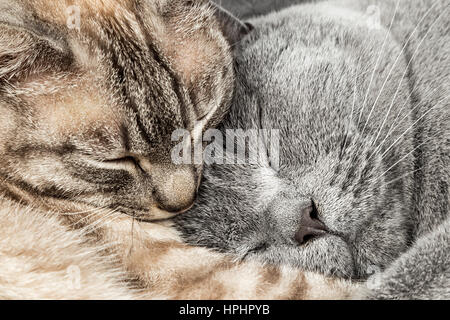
[179,208]
[310,225]
[174,190]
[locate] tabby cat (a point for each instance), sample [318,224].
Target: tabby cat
[360,92]
[90,93]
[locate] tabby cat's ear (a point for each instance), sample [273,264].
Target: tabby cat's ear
[26,46]
[233,28]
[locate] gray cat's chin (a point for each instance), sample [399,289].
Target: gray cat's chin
[328,255]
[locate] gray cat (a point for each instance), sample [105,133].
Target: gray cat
[360,93]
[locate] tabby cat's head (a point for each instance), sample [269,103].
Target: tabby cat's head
[91,91]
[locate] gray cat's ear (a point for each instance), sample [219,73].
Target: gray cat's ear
[26,46]
[233,28]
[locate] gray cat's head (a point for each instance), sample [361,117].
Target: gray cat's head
[333,205]
[91,91]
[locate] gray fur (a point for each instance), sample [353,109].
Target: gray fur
[306,71]
[420,273]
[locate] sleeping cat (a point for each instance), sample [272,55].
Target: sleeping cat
[90,93]
[360,93]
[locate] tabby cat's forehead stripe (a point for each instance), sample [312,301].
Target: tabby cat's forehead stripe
[147,80]
[125,135]
[175,82]
[126,56]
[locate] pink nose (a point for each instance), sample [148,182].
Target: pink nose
[310,226]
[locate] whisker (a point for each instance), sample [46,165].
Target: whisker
[395,64]
[412,126]
[402,177]
[98,223]
[355,89]
[86,218]
[132,232]
[81,212]
[406,68]
[396,125]
[94,222]
[378,62]
[405,156]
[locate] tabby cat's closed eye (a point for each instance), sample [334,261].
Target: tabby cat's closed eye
[129,162]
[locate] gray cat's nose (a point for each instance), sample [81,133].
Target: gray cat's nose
[310,225]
